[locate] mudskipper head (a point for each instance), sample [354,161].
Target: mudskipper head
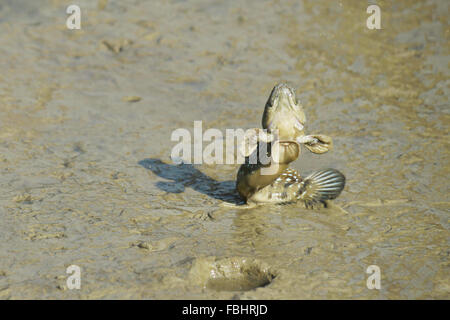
[282,102]
[281,96]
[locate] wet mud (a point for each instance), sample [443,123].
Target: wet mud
[86,177]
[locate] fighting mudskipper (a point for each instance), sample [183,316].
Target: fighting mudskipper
[274,182]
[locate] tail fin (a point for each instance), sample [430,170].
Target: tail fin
[320,186]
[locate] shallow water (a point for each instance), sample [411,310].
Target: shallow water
[86,176]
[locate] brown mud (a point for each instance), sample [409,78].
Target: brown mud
[86,178]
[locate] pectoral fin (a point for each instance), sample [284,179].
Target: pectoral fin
[319,144]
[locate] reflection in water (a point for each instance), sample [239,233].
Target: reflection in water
[186,175]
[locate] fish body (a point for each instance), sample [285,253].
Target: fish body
[276,182]
[253,177]
[289,186]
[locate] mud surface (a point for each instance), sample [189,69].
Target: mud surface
[86,177]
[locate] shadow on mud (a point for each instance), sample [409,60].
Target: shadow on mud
[186,175]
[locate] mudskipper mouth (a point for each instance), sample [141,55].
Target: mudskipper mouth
[282,95]
[286,91]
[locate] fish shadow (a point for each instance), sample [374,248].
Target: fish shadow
[184,176]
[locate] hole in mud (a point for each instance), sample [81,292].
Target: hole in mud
[232,274]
